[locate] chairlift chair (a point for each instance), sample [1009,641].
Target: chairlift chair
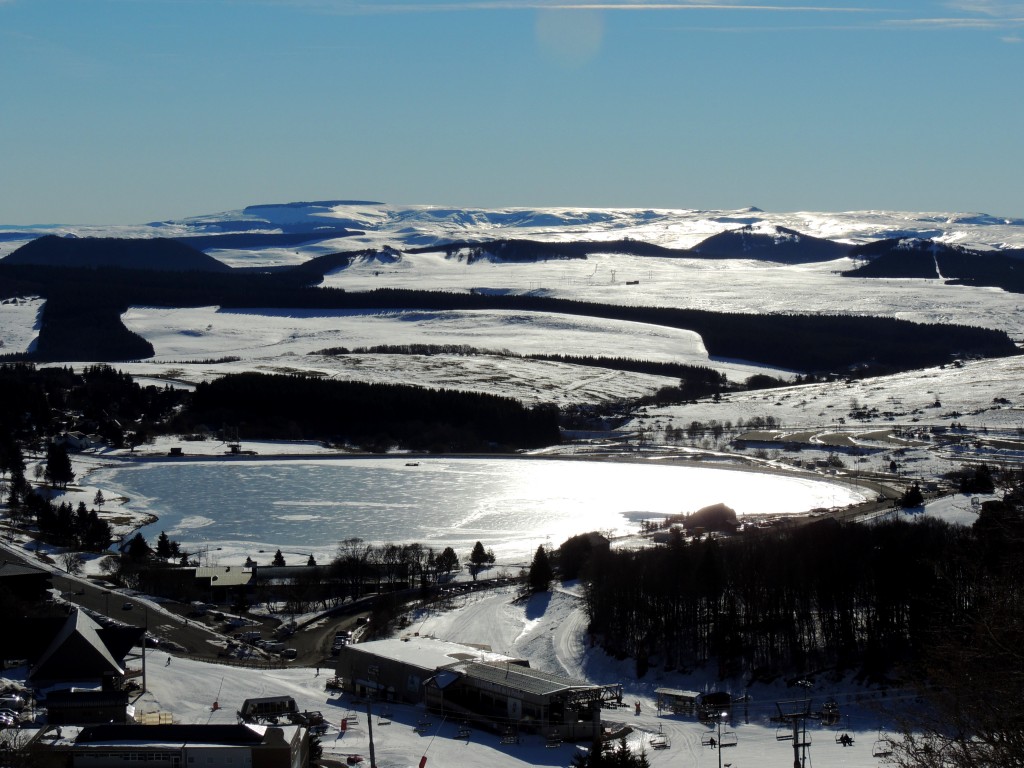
[464,731]
[660,740]
[882,747]
[553,740]
[728,739]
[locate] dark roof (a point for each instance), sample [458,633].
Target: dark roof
[172,733]
[17,569]
[83,650]
[70,699]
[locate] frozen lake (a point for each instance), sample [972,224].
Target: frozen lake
[511,505]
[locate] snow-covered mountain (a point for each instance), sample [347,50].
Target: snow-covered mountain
[370,224]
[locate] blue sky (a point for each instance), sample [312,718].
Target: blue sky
[127,111]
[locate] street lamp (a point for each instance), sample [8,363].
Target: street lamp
[721,716]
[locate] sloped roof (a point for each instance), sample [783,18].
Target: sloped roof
[19,569]
[76,652]
[519,677]
[226,575]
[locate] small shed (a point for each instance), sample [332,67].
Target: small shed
[677,701]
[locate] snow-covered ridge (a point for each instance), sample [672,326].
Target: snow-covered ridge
[417,225]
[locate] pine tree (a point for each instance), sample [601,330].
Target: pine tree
[477,560]
[137,549]
[540,575]
[58,465]
[278,559]
[163,546]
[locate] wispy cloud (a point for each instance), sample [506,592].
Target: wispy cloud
[362,7]
[994,15]
[971,14]
[959,22]
[994,8]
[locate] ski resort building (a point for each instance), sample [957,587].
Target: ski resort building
[176,746]
[473,684]
[396,669]
[512,696]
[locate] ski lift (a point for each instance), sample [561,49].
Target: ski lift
[554,739]
[783,734]
[464,732]
[728,739]
[830,714]
[882,746]
[660,740]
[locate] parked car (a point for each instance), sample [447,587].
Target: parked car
[289,653]
[12,701]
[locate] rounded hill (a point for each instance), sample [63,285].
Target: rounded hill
[157,253]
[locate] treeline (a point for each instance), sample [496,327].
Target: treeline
[929,259]
[39,403]
[515,249]
[63,525]
[81,318]
[868,598]
[375,417]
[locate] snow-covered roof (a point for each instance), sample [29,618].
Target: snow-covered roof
[520,677]
[426,652]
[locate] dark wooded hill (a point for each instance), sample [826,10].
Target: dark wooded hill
[782,245]
[127,253]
